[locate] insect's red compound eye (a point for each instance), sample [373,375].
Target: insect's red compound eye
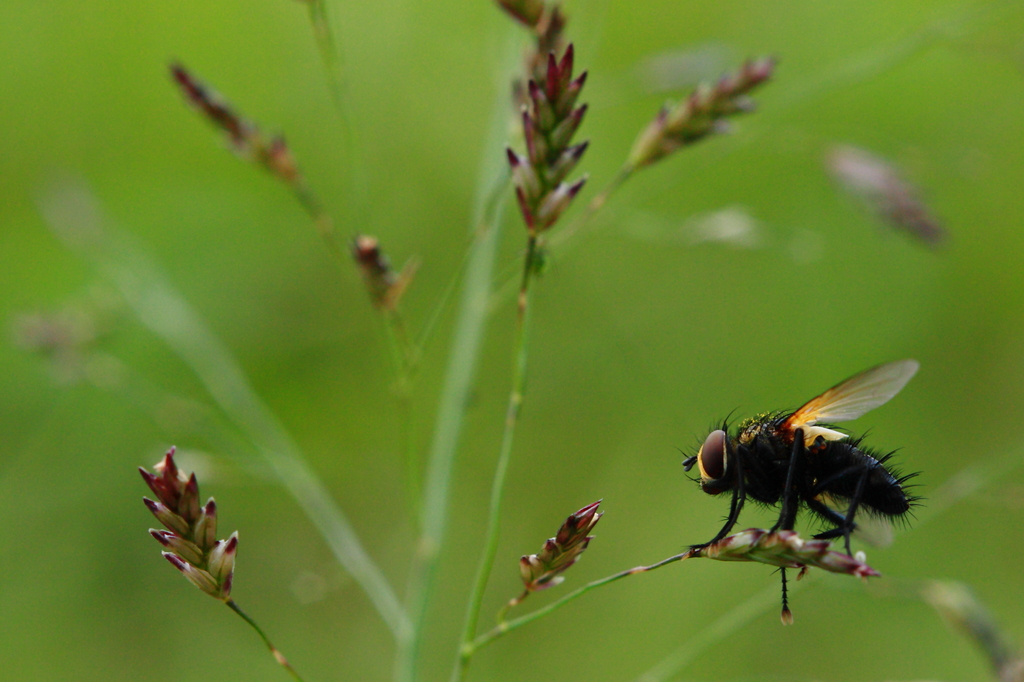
[711,458]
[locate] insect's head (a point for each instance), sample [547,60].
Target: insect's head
[713,461]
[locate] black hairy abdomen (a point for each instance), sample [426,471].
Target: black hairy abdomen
[839,467]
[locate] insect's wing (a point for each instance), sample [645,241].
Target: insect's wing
[853,397]
[871,529]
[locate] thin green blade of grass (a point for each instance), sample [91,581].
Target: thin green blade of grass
[75,217]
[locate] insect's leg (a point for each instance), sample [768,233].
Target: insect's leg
[739,496]
[734,513]
[854,503]
[831,515]
[830,534]
[791,501]
[787,615]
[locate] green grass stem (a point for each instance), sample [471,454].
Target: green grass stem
[515,402]
[505,627]
[334,69]
[274,651]
[457,384]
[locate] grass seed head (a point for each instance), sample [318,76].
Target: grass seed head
[542,570]
[550,120]
[244,136]
[962,610]
[384,286]
[189,539]
[881,185]
[701,114]
[785,549]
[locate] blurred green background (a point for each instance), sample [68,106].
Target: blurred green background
[646,329]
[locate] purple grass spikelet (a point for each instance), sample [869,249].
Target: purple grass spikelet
[543,570]
[881,185]
[550,119]
[245,137]
[384,285]
[190,538]
[785,549]
[701,114]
